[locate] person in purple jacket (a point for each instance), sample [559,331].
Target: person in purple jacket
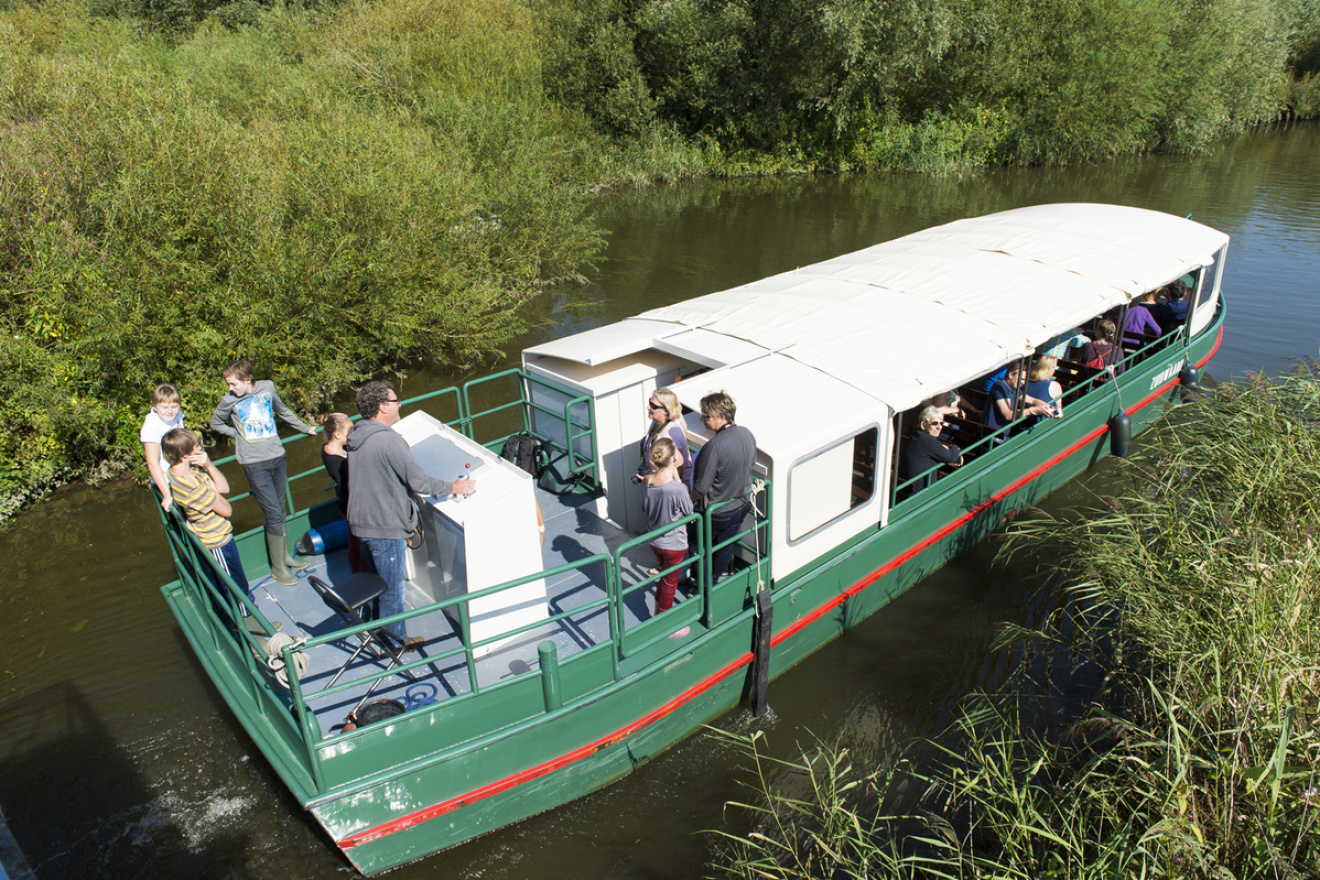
[1140,320]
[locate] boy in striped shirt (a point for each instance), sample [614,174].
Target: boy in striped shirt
[199,488]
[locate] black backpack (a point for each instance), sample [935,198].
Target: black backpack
[524,450]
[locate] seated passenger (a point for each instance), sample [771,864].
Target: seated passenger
[1102,353]
[989,381]
[924,450]
[1140,320]
[1042,386]
[999,408]
[948,403]
[1172,313]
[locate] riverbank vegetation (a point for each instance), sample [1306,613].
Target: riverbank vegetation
[1185,741]
[342,188]
[332,197]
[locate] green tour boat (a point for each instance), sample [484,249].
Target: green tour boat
[544,673]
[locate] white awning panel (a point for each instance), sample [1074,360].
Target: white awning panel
[909,318]
[791,408]
[602,344]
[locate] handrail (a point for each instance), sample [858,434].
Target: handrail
[465,422]
[623,592]
[577,416]
[466,646]
[700,561]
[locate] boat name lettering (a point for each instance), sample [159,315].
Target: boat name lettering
[1165,375]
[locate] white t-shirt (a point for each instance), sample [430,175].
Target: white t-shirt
[154,428]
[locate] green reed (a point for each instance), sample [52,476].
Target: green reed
[1196,754]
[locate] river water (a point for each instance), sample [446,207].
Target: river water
[118,760]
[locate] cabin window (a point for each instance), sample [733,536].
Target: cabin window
[1209,285]
[831,482]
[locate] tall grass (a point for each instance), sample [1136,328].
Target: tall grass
[1196,754]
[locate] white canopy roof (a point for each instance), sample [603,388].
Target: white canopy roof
[906,319]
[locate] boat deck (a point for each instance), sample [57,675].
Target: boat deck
[573,532]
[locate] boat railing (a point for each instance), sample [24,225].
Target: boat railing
[490,427]
[622,643]
[615,594]
[755,539]
[223,633]
[289,705]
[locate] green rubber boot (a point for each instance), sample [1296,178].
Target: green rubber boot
[278,551]
[295,563]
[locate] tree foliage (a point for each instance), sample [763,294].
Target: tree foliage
[330,196]
[340,187]
[860,83]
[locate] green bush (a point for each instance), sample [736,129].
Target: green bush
[330,197]
[805,84]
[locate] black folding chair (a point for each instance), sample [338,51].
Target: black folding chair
[347,599]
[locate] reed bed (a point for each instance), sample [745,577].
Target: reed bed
[1190,746]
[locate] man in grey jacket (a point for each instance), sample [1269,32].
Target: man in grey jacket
[382,476]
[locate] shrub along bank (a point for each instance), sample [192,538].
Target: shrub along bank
[1195,753]
[332,196]
[947,84]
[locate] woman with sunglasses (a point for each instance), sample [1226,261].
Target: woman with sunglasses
[666,415]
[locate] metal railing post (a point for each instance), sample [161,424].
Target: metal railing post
[551,689]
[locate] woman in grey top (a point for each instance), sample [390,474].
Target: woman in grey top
[252,406]
[666,500]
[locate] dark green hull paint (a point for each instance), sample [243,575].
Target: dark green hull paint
[390,800]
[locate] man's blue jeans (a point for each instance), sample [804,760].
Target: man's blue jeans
[386,556]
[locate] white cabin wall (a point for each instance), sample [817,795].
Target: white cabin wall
[619,389]
[809,468]
[623,497]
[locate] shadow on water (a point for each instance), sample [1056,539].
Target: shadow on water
[78,805]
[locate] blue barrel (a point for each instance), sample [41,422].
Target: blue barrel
[323,539]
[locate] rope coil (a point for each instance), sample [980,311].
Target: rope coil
[275,657]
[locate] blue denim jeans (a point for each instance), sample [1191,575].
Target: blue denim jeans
[227,559]
[267,480]
[386,556]
[724,524]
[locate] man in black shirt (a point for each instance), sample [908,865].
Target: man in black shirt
[723,473]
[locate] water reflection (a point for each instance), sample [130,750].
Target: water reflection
[120,759]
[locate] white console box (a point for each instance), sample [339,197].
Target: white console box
[484,539]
